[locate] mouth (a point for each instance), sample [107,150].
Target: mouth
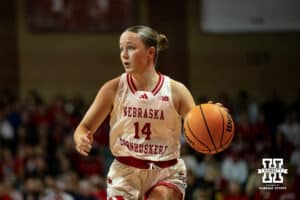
[126,64]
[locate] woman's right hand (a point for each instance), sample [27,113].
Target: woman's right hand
[83,143]
[95,115]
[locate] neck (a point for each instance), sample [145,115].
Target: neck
[146,80]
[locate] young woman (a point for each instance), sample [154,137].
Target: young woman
[145,109]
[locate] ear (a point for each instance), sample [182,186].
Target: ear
[151,51]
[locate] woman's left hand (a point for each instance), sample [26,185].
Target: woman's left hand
[220,105]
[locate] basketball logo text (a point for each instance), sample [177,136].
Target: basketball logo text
[229,123]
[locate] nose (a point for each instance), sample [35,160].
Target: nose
[124,54]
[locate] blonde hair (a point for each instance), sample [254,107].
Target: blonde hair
[150,38]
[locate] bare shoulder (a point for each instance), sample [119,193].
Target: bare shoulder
[108,91]
[112,84]
[179,91]
[176,85]
[178,88]
[182,97]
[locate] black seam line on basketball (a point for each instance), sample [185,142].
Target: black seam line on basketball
[188,124]
[208,131]
[221,141]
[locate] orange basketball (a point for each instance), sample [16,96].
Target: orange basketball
[208,128]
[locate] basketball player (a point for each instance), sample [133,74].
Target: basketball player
[145,110]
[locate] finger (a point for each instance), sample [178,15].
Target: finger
[226,109]
[85,140]
[211,102]
[82,152]
[86,147]
[219,104]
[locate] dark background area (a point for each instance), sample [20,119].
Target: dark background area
[81,61]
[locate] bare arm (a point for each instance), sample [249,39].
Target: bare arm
[97,112]
[183,99]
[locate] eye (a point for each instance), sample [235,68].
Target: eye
[130,47]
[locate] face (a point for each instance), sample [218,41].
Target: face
[135,56]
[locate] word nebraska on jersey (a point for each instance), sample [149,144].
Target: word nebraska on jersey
[147,113]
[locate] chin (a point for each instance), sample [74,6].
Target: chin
[129,71]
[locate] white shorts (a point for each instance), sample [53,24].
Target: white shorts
[131,183]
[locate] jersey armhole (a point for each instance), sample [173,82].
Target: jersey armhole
[172,97]
[120,85]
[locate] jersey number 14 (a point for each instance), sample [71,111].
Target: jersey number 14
[146,130]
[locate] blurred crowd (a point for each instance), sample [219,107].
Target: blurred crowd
[38,159]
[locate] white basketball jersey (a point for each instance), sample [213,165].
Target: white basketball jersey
[145,124]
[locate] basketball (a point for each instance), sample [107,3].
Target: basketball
[208,128]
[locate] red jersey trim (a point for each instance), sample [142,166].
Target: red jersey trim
[159,84]
[130,84]
[156,89]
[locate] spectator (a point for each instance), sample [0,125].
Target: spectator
[204,191]
[235,168]
[55,190]
[209,169]
[235,192]
[290,128]
[295,159]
